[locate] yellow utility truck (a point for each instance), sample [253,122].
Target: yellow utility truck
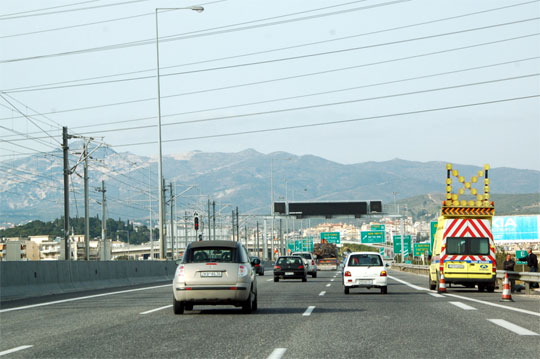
[463,248]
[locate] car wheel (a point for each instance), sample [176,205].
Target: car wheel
[304,279]
[178,306]
[188,306]
[254,306]
[346,290]
[276,279]
[247,305]
[481,287]
[314,275]
[261,273]
[490,288]
[384,290]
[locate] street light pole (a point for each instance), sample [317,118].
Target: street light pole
[160,160]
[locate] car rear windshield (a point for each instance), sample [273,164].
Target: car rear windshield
[211,254]
[303,255]
[364,260]
[289,261]
[467,245]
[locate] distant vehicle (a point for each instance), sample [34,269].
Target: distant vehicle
[309,260]
[327,255]
[257,264]
[365,270]
[290,267]
[213,273]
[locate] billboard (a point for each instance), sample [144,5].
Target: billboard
[516,228]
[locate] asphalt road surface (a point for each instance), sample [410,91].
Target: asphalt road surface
[294,320]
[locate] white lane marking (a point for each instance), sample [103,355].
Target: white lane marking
[308,311]
[471,299]
[81,298]
[277,353]
[462,306]
[155,310]
[322,293]
[9,351]
[331,280]
[328,285]
[436,295]
[512,327]
[407,283]
[495,305]
[269,280]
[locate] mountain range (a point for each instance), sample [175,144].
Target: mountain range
[32,187]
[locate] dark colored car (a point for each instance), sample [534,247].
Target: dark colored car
[290,267]
[257,264]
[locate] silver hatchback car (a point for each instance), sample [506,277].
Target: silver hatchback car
[214,273]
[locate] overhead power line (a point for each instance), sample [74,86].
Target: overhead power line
[324,53]
[47,8]
[198,34]
[327,123]
[236,116]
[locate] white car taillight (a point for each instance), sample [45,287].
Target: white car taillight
[347,274]
[180,271]
[242,271]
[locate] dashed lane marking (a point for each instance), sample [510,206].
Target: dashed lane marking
[9,351]
[328,285]
[155,310]
[81,298]
[436,295]
[512,327]
[331,280]
[463,306]
[308,311]
[269,280]
[322,293]
[277,353]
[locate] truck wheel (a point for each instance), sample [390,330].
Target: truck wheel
[490,288]
[432,286]
[481,287]
[346,290]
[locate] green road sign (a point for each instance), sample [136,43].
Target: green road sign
[378,227]
[420,248]
[381,251]
[521,254]
[331,237]
[397,244]
[291,246]
[372,237]
[408,262]
[433,226]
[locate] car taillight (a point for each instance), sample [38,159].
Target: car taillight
[383,273]
[257,265]
[300,267]
[242,271]
[347,274]
[180,271]
[277,267]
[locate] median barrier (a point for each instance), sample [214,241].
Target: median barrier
[27,279]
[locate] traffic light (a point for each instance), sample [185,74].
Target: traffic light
[196,223]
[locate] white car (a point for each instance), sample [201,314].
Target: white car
[309,260]
[365,270]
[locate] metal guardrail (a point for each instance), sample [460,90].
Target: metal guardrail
[527,277]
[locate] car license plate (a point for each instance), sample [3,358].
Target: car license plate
[289,273]
[364,281]
[457,266]
[210,274]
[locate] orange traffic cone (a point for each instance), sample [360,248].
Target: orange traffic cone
[442,285]
[506,294]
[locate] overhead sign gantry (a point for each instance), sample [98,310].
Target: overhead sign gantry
[328,209]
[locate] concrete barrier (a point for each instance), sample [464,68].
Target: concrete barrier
[20,280]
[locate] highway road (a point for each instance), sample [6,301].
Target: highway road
[295,320]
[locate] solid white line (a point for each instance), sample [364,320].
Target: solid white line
[9,351]
[495,305]
[462,306]
[308,311]
[328,285]
[471,299]
[322,293]
[155,310]
[269,280]
[407,283]
[277,353]
[512,327]
[81,298]
[436,295]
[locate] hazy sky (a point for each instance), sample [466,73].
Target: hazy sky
[423,80]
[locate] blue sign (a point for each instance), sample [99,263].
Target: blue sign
[516,228]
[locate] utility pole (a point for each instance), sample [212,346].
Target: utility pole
[214,218]
[265,240]
[257,236]
[104,255]
[86,204]
[280,237]
[246,237]
[67,172]
[209,221]
[232,225]
[162,241]
[172,219]
[185,230]
[237,226]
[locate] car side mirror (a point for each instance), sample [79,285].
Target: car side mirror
[387,265]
